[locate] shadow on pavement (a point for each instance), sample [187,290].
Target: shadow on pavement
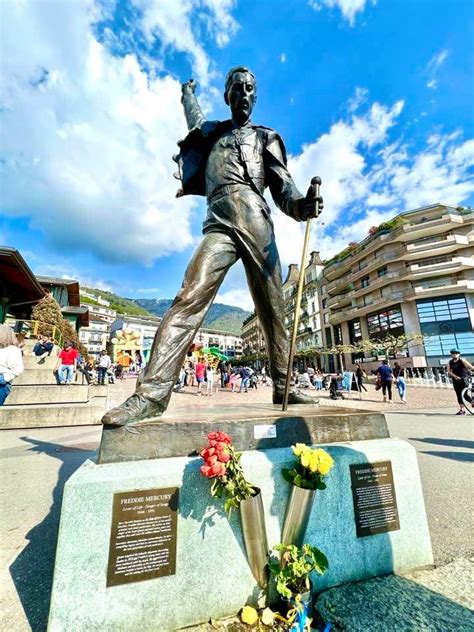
[32,570]
[386,604]
[454,456]
[451,443]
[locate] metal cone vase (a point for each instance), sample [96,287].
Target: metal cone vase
[255,537]
[298,511]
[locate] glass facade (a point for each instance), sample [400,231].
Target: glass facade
[446,324]
[441,345]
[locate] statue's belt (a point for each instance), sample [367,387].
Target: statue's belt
[226,190]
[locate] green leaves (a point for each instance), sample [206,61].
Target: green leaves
[293,570]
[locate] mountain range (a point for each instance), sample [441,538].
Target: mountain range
[220,317]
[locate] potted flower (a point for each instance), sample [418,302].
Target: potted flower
[306,476]
[292,578]
[222,464]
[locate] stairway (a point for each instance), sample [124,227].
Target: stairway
[36,401]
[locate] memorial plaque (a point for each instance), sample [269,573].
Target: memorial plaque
[373,494]
[143,535]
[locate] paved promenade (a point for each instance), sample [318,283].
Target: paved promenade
[36,463]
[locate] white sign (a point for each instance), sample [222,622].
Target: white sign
[265,431]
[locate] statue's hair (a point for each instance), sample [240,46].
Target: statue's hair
[231,73]
[7,337]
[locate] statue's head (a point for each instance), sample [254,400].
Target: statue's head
[240,92]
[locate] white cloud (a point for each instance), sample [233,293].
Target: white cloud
[283,58]
[237,298]
[67,271]
[174,24]
[148,290]
[366,179]
[437,60]
[88,136]
[433,66]
[348,8]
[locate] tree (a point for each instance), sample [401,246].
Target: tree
[391,345]
[51,323]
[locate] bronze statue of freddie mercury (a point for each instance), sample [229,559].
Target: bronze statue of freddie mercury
[231,163]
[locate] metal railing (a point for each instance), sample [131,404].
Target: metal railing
[34,328]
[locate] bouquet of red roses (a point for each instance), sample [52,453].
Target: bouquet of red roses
[222,463]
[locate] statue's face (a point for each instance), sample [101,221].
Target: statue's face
[241,96]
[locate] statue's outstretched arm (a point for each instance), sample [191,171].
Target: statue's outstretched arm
[192,111]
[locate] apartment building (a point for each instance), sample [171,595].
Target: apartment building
[412,275]
[96,335]
[309,337]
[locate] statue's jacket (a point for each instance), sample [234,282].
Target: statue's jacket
[268,159]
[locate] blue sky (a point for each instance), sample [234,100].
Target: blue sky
[375,97]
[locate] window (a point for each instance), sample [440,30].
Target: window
[328,336]
[387,322]
[355,333]
[338,334]
[325,303]
[450,308]
[441,345]
[382,271]
[365,282]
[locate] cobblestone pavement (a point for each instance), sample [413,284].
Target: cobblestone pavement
[418,397]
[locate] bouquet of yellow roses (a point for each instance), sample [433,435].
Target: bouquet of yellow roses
[311,466]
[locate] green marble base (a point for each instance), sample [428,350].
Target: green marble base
[212,576]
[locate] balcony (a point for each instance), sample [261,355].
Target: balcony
[340,300]
[371,304]
[453,264]
[437,225]
[377,262]
[338,284]
[449,286]
[379,282]
[437,245]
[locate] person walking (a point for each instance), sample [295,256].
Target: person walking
[11,361]
[66,364]
[209,380]
[200,370]
[399,375]
[360,375]
[245,375]
[103,366]
[458,369]
[385,374]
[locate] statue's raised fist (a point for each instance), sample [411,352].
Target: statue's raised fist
[188,86]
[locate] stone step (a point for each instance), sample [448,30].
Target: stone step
[35,376]
[40,416]
[45,364]
[32,377]
[47,394]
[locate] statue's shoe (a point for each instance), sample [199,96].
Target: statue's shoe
[295,397]
[135,408]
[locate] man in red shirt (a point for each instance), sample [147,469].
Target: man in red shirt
[67,363]
[200,371]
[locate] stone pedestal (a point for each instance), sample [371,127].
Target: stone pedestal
[251,426]
[212,576]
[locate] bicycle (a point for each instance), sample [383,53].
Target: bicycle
[467,395]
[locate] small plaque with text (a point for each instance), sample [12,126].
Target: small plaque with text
[143,536]
[373,494]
